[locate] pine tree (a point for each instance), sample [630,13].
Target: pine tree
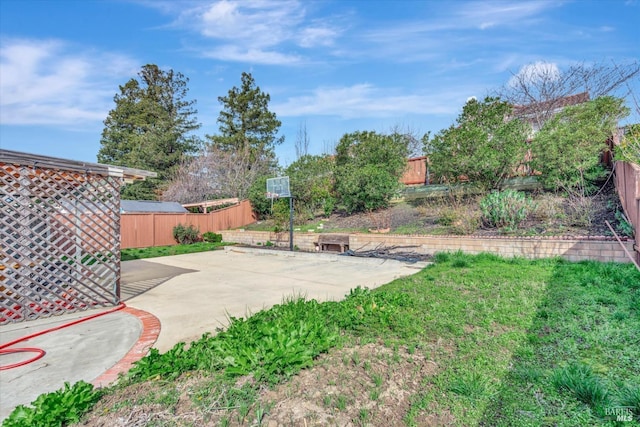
[246,124]
[150,127]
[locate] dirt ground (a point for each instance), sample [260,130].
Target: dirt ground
[367,385]
[551,215]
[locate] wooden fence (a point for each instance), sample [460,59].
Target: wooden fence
[156,229]
[627,179]
[416,172]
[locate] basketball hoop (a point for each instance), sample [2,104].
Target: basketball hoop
[279,187]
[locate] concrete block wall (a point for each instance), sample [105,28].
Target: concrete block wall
[571,249]
[304,241]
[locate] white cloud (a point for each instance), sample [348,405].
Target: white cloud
[536,72]
[488,14]
[316,36]
[48,82]
[258,56]
[366,101]
[258,31]
[258,22]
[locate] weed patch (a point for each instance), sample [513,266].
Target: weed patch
[470,340]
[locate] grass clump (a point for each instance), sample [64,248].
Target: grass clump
[158,251]
[579,380]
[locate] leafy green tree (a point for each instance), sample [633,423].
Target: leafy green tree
[256,194]
[568,147]
[484,145]
[368,169]
[311,183]
[629,148]
[150,127]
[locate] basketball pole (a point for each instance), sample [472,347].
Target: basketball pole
[291,223]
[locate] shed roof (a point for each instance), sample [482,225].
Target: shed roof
[136,206]
[554,104]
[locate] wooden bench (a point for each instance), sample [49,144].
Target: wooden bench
[333,242]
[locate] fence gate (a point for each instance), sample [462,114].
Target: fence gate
[60,234]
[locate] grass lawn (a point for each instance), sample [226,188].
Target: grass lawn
[470,340]
[140,253]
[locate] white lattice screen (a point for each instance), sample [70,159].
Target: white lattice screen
[60,234]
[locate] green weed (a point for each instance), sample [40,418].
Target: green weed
[58,408]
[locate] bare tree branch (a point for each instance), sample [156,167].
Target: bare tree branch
[215,173]
[302,141]
[540,89]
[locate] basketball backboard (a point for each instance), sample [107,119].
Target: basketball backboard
[278,187]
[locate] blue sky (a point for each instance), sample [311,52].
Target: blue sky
[334,66]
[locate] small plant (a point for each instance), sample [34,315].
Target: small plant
[579,380]
[58,408]
[629,396]
[447,217]
[186,235]
[580,210]
[377,379]
[467,223]
[472,385]
[363,416]
[212,237]
[341,402]
[624,226]
[355,358]
[505,209]
[269,243]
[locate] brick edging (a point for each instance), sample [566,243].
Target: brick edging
[150,331]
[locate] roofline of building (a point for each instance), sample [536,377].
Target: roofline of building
[37,160]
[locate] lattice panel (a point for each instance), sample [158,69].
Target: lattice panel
[60,233]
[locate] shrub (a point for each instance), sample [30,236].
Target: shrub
[368,169]
[186,235]
[482,146]
[312,184]
[211,237]
[629,148]
[259,202]
[466,223]
[548,207]
[568,147]
[280,215]
[505,209]
[447,216]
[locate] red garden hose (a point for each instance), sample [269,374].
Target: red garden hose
[40,352]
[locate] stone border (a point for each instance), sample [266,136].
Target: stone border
[570,248]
